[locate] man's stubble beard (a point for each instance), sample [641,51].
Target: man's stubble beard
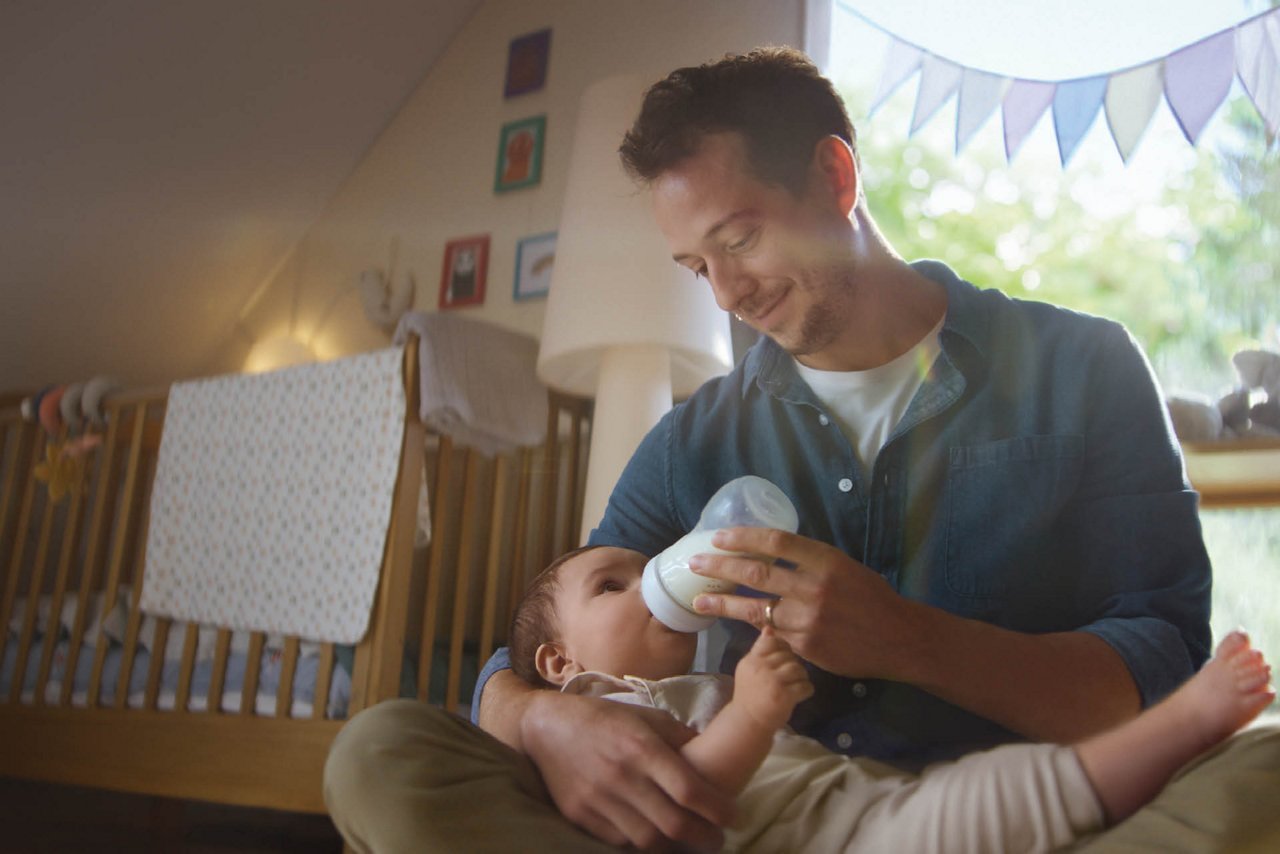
[828,317]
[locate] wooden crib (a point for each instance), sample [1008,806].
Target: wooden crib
[438,613]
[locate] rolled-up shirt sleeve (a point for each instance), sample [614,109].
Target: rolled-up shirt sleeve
[1138,529]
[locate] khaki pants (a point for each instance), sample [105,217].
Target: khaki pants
[405,776]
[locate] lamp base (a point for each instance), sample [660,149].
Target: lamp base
[633,391]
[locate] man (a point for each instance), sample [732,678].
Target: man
[997,540]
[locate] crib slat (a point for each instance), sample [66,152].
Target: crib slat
[14,485]
[33,591]
[462,582]
[135,619]
[120,546]
[70,544]
[571,533]
[186,671]
[104,503]
[159,643]
[219,677]
[550,482]
[288,666]
[435,564]
[15,564]
[324,677]
[575,488]
[519,560]
[496,533]
[252,667]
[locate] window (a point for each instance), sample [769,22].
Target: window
[1182,244]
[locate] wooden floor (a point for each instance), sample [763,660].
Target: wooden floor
[52,819]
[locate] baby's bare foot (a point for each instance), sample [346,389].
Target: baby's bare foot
[1229,691]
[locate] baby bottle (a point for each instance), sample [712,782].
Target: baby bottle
[669,586]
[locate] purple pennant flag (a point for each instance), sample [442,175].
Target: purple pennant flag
[1024,104]
[1197,78]
[1075,106]
[1258,64]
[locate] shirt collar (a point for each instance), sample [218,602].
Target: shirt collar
[772,368]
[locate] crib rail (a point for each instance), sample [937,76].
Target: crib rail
[203,722]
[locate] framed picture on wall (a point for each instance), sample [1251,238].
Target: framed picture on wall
[520,154]
[466,261]
[527,63]
[535,256]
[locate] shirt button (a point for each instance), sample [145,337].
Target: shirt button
[859,689]
[844,741]
[824,420]
[845,484]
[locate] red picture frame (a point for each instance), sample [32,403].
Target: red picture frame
[462,278]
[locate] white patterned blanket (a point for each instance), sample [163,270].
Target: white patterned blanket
[272,498]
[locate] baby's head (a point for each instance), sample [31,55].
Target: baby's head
[584,612]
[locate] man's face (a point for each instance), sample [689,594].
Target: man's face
[605,625]
[783,264]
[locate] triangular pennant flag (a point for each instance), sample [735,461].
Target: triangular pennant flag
[1258,64]
[900,62]
[1024,104]
[1197,78]
[938,81]
[980,94]
[1075,106]
[1132,97]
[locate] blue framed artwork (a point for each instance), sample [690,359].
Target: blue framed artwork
[535,256]
[527,63]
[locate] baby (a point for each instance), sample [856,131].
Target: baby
[582,627]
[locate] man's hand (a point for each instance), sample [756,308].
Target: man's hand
[614,770]
[833,610]
[769,681]
[845,618]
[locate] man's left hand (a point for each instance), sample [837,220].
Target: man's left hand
[833,611]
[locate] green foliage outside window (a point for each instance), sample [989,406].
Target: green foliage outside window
[1195,274]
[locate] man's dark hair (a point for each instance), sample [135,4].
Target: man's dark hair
[534,622]
[774,97]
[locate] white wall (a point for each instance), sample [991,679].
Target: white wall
[429,177]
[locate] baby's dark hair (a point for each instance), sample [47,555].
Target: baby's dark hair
[535,622]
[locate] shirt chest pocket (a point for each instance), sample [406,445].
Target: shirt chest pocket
[1004,501]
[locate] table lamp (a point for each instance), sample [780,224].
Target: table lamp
[624,323]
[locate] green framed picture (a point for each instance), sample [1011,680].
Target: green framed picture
[520,154]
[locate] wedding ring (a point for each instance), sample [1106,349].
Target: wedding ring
[768,612]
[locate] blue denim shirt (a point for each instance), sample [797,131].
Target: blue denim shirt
[1033,483]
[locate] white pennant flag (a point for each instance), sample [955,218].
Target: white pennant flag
[980,94]
[1258,64]
[938,81]
[900,62]
[1132,98]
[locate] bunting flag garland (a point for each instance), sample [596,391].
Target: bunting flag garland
[1258,64]
[1193,80]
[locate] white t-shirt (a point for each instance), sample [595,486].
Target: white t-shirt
[869,404]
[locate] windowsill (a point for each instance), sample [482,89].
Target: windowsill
[1239,473]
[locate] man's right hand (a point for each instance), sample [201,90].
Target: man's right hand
[614,769]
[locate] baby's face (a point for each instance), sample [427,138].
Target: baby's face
[605,625]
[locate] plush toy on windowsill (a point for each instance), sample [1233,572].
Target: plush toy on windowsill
[1239,414]
[71,416]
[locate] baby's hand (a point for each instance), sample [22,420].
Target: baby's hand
[770,680]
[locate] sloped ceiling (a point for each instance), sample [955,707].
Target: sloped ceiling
[159,158]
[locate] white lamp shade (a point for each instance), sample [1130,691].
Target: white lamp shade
[614,282]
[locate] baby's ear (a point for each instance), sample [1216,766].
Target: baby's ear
[554,665]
